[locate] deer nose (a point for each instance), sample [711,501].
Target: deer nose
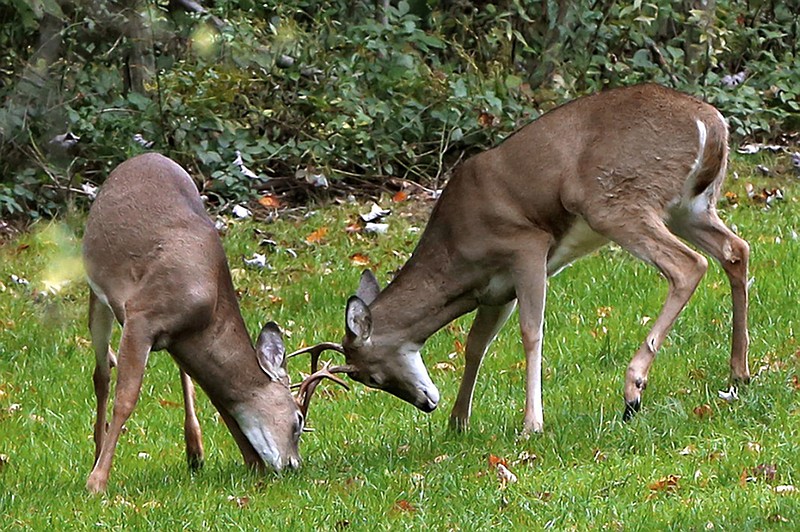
[429,400]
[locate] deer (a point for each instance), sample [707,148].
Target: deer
[155,263]
[640,166]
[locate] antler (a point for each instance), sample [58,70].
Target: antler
[316,351]
[307,387]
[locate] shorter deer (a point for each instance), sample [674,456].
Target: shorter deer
[155,262]
[641,166]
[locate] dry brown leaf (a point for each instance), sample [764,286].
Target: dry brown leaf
[275,300]
[459,346]
[732,197]
[743,476]
[668,483]
[494,460]
[169,404]
[353,227]
[487,120]
[703,411]
[317,235]
[401,195]
[359,259]
[441,458]
[269,201]
[796,382]
[404,506]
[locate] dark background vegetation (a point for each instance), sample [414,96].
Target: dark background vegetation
[341,91]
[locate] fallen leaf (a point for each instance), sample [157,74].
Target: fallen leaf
[276,300]
[259,260]
[169,404]
[399,196]
[703,411]
[668,483]
[444,366]
[730,396]
[354,227]
[753,447]
[375,228]
[768,472]
[732,197]
[269,201]
[505,476]
[525,458]
[441,458]
[743,478]
[241,502]
[240,211]
[689,449]
[777,518]
[459,346]
[404,506]
[494,461]
[317,235]
[359,259]
[796,382]
[486,120]
[375,214]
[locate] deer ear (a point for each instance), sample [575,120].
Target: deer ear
[271,353]
[368,287]
[358,320]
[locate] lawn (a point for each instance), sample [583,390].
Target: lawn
[689,460]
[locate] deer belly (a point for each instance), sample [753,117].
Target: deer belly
[579,240]
[499,290]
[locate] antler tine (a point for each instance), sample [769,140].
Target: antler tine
[310,383]
[316,351]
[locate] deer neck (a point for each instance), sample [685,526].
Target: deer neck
[432,289]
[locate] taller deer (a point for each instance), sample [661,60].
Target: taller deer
[640,166]
[155,263]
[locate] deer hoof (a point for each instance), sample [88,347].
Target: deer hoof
[95,485]
[196,462]
[631,408]
[458,424]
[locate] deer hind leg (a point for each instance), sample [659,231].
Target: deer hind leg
[101,321]
[191,426]
[650,240]
[134,349]
[488,321]
[710,234]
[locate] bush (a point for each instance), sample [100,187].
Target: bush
[344,90]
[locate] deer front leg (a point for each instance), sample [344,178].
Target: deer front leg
[191,426]
[101,320]
[134,349]
[530,279]
[488,321]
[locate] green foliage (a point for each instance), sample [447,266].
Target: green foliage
[343,89]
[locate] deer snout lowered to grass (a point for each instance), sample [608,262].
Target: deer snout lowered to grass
[155,263]
[641,166]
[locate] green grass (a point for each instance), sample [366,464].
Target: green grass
[377,463]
